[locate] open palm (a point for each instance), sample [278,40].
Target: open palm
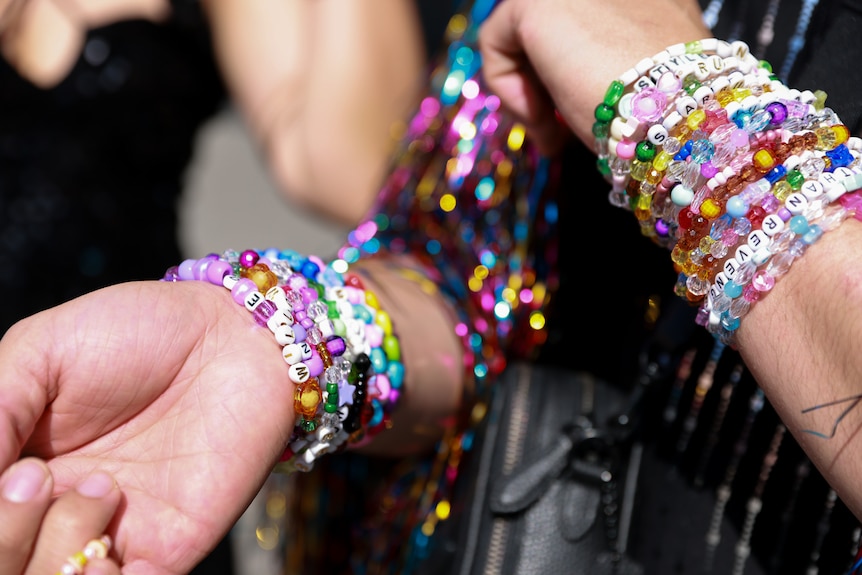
[172,388]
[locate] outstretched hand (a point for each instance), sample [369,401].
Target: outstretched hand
[124,381]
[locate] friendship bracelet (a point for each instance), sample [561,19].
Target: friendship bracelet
[340,346]
[94,549]
[731,170]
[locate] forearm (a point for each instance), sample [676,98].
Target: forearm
[801,342]
[321,84]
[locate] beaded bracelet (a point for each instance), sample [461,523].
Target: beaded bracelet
[707,147]
[343,356]
[96,548]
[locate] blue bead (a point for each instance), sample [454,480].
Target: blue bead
[310,269]
[732,289]
[378,360]
[798,224]
[736,207]
[813,234]
[395,372]
[776,173]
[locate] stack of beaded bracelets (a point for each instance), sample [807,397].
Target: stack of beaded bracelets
[330,329]
[726,166]
[96,548]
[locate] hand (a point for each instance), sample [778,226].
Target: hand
[542,54]
[123,380]
[38,536]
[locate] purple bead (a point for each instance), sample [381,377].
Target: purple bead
[217,271]
[299,332]
[199,269]
[778,112]
[336,346]
[299,315]
[242,288]
[263,312]
[784,214]
[307,323]
[661,228]
[186,269]
[315,364]
[171,274]
[308,295]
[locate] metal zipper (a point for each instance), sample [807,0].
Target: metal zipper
[519,416]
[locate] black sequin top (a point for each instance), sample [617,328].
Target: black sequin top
[91,170]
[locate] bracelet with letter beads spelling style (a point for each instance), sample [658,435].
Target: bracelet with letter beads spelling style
[95,548]
[343,355]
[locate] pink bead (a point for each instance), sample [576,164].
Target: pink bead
[739,138]
[384,387]
[626,149]
[242,288]
[373,335]
[199,269]
[762,281]
[248,258]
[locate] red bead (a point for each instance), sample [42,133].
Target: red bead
[353,280]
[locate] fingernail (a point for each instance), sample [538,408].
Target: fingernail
[96,486]
[24,481]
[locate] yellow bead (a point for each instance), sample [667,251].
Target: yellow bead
[781,190]
[661,161]
[263,277]
[842,134]
[763,160]
[371,300]
[695,119]
[710,209]
[384,321]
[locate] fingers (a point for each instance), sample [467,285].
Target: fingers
[25,494]
[76,517]
[510,75]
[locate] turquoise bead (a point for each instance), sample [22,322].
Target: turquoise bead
[395,371]
[378,360]
[798,225]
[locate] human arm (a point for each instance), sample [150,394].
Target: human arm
[321,84]
[187,402]
[799,340]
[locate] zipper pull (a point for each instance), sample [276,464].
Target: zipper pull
[522,488]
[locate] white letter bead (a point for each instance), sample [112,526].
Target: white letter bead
[812,189]
[284,335]
[685,106]
[657,134]
[772,224]
[229,281]
[278,319]
[796,203]
[253,299]
[299,373]
[758,240]
[292,353]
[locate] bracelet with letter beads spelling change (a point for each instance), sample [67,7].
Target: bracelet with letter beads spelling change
[94,549]
[337,341]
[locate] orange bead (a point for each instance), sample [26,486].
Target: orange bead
[307,397]
[263,277]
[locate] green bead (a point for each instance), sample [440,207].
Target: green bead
[601,129]
[645,151]
[603,167]
[308,425]
[614,93]
[331,388]
[795,179]
[332,309]
[392,348]
[604,113]
[330,407]
[765,65]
